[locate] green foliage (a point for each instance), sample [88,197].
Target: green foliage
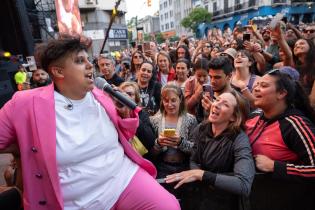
[196,17]
[174,38]
[130,36]
[146,37]
[159,38]
[131,22]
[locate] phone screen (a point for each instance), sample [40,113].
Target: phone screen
[246,37]
[146,46]
[207,89]
[140,48]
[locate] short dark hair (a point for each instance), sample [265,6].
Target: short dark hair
[221,63]
[58,49]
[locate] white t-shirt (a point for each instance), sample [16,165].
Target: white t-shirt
[92,167]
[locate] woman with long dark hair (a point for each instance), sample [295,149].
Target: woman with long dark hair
[282,135]
[137,59]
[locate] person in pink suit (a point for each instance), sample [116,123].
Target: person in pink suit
[73,142]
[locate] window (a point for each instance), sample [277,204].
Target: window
[161,17]
[161,6]
[215,6]
[171,13]
[167,26]
[162,27]
[172,24]
[165,4]
[166,16]
[170,2]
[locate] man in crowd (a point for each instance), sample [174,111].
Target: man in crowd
[39,78]
[106,65]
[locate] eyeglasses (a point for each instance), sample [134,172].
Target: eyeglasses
[208,46]
[226,45]
[309,31]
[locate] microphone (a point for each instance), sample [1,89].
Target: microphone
[103,85]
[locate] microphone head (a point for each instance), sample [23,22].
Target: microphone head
[100,83]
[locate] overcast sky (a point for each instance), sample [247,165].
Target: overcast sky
[140,8]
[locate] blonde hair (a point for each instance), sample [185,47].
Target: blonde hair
[135,87]
[241,111]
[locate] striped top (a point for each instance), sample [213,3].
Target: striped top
[288,139]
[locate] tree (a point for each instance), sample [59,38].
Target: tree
[174,38]
[159,38]
[146,37]
[196,17]
[131,24]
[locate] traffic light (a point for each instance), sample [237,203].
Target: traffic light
[149,3]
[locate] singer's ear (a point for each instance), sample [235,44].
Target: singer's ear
[57,72]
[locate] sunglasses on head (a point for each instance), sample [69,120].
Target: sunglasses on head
[309,31]
[273,71]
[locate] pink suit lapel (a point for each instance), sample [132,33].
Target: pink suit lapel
[45,116]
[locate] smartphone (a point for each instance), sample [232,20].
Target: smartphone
[140,48]
[169,132]
[285,20]
[207,90]
[146,46]
[275,20]
[246,37]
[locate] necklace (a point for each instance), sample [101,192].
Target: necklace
[68,106]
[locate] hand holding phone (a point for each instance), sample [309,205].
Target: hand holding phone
[146,46]
[169,132]
[246,37]
[208,91]
[275,20]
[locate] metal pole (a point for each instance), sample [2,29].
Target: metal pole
[110,24]
[137,29]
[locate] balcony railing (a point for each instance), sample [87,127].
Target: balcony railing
[279,1]
[301,1]
[238,7]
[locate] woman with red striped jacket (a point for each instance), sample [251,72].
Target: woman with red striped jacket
[282,135]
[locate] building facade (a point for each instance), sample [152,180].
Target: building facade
[167,18]
[150,24]
[95,18]
[182,8]
[229,13]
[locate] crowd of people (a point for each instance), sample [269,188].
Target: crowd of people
[213,113]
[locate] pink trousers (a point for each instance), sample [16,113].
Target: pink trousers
[144,193]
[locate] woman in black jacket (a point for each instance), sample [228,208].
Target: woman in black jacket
[144,131]
[221,160]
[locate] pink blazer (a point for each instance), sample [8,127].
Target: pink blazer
[28,119]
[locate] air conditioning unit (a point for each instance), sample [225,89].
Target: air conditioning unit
[90,1]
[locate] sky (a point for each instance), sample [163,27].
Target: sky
[140,8]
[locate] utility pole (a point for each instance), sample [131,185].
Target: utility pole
[114,13]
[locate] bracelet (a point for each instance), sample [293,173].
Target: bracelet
[245,88]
